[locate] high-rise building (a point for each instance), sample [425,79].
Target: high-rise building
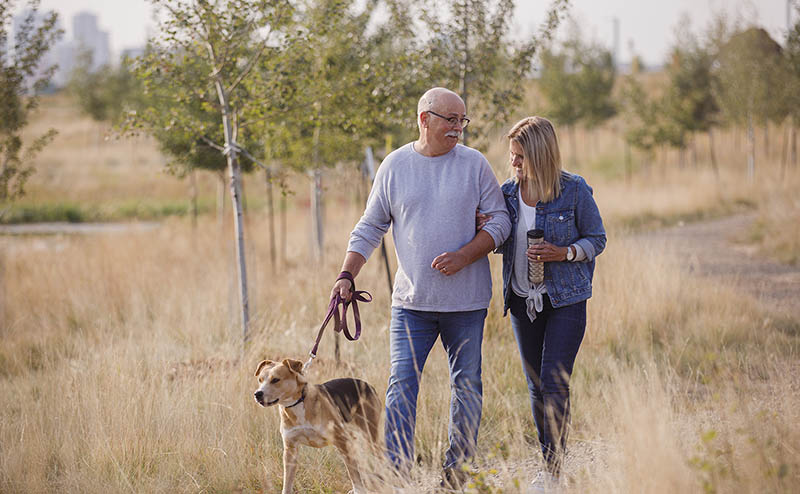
[88,37]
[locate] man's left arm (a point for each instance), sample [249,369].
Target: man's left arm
[493,233]
[452,262]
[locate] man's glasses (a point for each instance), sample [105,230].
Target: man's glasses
[453,121]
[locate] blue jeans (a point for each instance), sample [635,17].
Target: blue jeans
[412,335]
[548,347]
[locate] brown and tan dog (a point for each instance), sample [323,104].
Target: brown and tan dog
[334,413]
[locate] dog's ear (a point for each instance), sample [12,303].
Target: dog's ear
[263,364]
[295,365]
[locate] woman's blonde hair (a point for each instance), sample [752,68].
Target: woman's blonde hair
[542,159]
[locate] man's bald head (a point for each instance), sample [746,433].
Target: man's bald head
[435,98]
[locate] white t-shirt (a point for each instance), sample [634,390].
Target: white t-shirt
[526,220]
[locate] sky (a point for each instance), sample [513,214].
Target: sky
[646,25]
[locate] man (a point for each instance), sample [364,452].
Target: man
[430,190]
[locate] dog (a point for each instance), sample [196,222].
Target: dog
[334,413]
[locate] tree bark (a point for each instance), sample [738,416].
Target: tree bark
[793,139]
[270,217]
[464,83]
[221,201]
[628,163]
[784,151]
[235,178]
[751,149]
[3,289]
[284,238]
[573,132]
[711,152]
[317,228]
[193,197]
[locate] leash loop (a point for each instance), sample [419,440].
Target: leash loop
[340,319]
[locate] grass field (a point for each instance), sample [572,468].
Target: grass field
[121,367]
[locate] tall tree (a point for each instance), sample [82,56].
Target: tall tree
[577,80]
[346,86]
[104,94]
[22,78]
[204,55]
[471,52]
[792,85]
[748,76]
[641,116]
[689,102]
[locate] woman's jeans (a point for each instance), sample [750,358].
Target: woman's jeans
[548,347]
[412,335]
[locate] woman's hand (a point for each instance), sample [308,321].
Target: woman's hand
[481,220]
[547,252]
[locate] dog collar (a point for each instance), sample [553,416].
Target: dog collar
[302,397]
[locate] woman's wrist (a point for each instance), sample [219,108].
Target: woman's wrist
[570,253]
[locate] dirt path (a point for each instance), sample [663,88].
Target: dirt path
[712,250]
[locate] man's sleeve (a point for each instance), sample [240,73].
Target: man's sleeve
[375,222]
[492,203]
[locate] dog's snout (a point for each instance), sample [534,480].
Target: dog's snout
[259,395]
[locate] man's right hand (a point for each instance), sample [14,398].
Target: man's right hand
[342,288]
[353,261]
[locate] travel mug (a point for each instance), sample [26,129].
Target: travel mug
[535,268]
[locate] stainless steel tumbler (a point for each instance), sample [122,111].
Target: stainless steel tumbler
[535,268]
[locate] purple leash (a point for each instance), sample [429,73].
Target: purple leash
[340,320]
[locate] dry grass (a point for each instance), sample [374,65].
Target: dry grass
[121,370]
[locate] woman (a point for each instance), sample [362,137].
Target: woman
[548,319]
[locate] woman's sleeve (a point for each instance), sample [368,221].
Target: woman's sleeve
[589,222]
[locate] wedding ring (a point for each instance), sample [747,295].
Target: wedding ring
[538,258]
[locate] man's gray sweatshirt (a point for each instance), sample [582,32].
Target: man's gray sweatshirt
[431,204]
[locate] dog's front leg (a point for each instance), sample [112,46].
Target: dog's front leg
[289,466]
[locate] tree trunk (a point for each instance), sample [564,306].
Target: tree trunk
[784,151]
[284,238]
[270,217]
[3,322]
[193,197]
[573,132]
[235,178]
[628,163]
[317,228]
[221,200]
[793,142]
[711,152]
[751,149]
[464,83]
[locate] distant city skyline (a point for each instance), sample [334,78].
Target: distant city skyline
[84,37]
[648,26]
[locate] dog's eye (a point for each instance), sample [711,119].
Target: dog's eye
[274,380]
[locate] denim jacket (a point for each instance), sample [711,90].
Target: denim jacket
[571,218]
